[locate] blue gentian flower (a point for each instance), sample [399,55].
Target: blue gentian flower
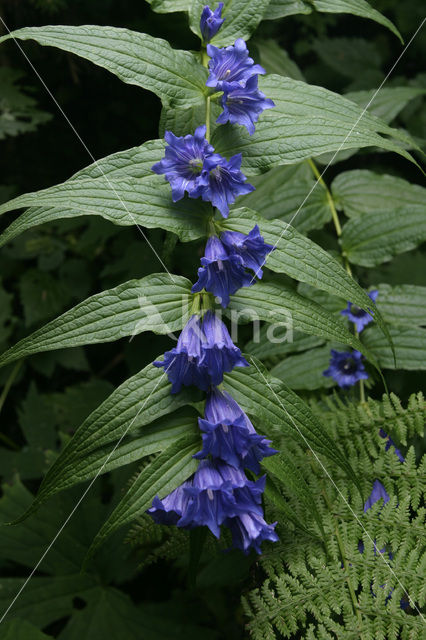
[183,163]
[183,363]
[358,316]
[210,22]
[228,434]
[251,248]
[225,181]
[215,493]
[249,530]
[231,64]
[390,443]
[222,274]
[243,104]
[220,355]
[346,368]
[376,494]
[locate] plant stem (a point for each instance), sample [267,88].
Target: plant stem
[345,564]
[208,118]
[330,200]
[3,397]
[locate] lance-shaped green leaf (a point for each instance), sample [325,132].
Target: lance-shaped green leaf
[386,103]
[361,8]
[241,19]
[403,304]
[280,412]
[137,402]
[360,191]
[307,120]
[371,239]
[305,371]
[167,471]
[410,347]
[177,77]
[262,347]
[282,467]
[168,6]
[278,304]
[302,259]
[159,302]
[125,202]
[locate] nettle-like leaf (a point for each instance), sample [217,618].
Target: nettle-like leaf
[409,344]
[158,303]
[175,76]
[361,8]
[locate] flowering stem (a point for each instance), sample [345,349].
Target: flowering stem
[330,200]
[208,118]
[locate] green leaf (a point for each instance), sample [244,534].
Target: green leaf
[275,59]
[354,58]
[278,304]
[307,121]
[283,8]
[137,402]
[410,347]
[360,192]
[123,201]
[37,420]
[304,371]
[175,76]
[167,471]
[263,348]
[158,303]
[371,239]
[388,102]
[42,296]
[168,6]
[402,305]
[281,193]
[280,412]
[241,19]
[302,259]
[17,629]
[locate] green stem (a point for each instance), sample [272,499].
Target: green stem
[3,397]
[345,564]
[330,200]
[208,118]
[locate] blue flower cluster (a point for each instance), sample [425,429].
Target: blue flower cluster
[219,492]
[346,367]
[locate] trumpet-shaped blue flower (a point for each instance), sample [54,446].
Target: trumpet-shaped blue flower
[243,104]
[228,434]
[251,248]
[378,492]
[222,274]
[390,443]
[346,368]
[215,493]
[231,64]
[183,163]
[225,181]
[220,355]
[249,530]
[183,364]
[358,316]
[210,22]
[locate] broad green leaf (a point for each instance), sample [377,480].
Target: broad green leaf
[278,304]
[184,121]
[388,102]
[281,193]
[302,259]
[280,412]
[410,347]
[164,474]
[175,76]
[307,121]
[169,6]
[123,201]
[158,302]
[282,8]
[275,59]
[371,239]
[241,19]
[263,348]
[361,191]
[304,371]
[355,58]
[17,629]
[404,304]
[137,402]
